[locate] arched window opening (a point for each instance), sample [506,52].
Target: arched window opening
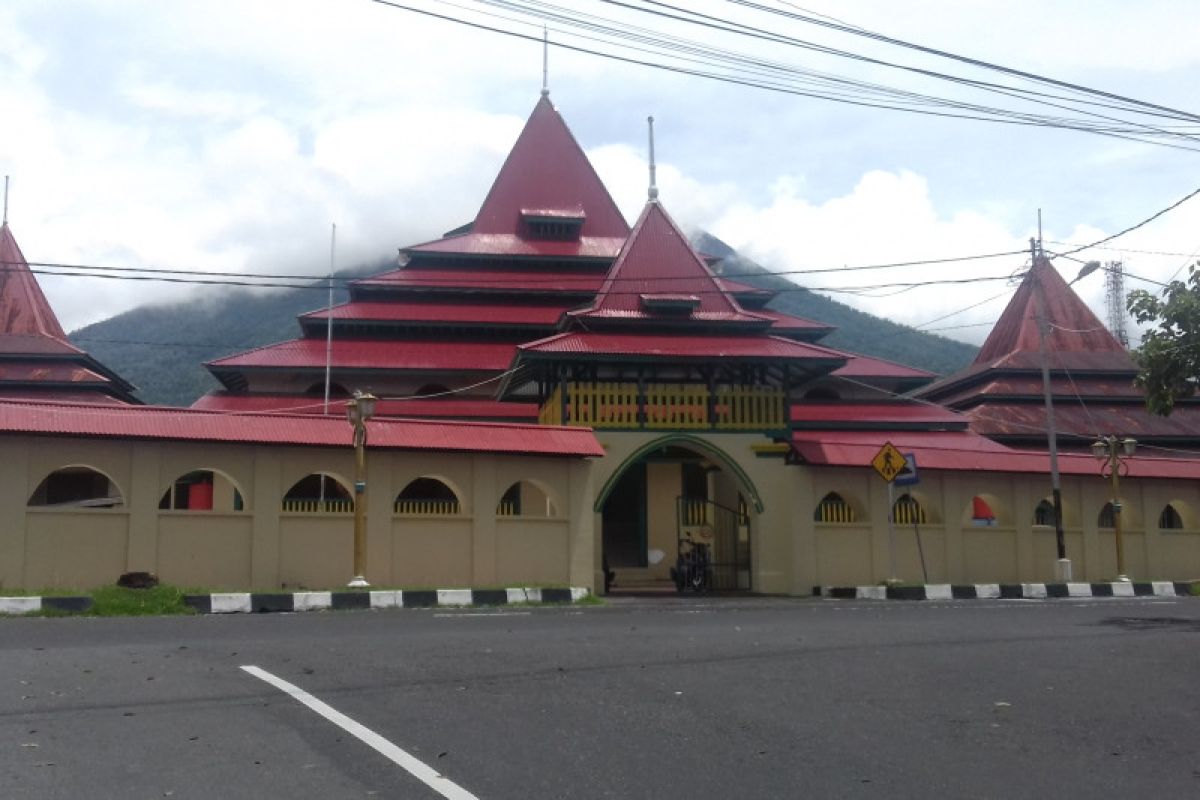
[432,390]
[1107,518]
[833,508]
[318,493]
[77,487]
[907,511]
[981,513]
[1044,514]
[202,490]
[525,499]
[428,497]
[1169,519]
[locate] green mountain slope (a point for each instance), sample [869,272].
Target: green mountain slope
[161,349]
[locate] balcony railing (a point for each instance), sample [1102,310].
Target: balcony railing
[666,407]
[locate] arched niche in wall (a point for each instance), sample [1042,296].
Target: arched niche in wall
[319,493]
[526,498]
[428,495]
[835,508]
[911,509]
[203,490]
[77,486]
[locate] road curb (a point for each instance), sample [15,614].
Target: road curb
[1007,591]
[268,602]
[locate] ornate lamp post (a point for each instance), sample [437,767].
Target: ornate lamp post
[359,409]
[1111,452]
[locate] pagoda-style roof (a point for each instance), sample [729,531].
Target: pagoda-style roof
[1091,376]
[372,354]
[425,313]
[677,346]
[36,360]
[1076,336]
[660,279]
[546,181]
[478,281]
[452,407]
[24,310]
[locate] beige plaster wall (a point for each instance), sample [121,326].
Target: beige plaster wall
[262,548]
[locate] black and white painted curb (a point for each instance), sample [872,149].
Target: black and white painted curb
[258,602]
[252,602]
[27,605]
[1006,591]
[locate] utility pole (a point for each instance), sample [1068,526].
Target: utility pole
[1062,567]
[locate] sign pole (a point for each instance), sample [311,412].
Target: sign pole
[892,532]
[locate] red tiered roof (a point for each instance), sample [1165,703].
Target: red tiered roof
[545,175]
[23,308]
[1075,329]
[494,281]
[452,313]
[965,451]
[657,262]
[374,354]
[686,346]
[439,408]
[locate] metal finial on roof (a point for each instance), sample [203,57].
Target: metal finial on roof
[545,62]
[653,192]
[5,222]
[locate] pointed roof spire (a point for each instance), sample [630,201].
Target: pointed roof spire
[24,310]
[548,173]
[652,193]
[545,61]
[1073,326]
[658,274]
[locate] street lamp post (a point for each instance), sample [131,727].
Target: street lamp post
[1111,452]
[359,409]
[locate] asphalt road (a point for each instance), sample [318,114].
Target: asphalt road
[758,698]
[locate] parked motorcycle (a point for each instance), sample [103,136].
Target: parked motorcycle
[693,566]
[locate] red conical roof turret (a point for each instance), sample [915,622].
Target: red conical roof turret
[1073,326]
[23,308]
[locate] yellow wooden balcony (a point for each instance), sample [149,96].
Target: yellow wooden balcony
[666,407]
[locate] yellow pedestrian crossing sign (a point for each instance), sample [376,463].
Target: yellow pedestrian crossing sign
[888,462]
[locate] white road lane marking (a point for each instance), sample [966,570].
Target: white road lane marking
[417,768]
[457,614]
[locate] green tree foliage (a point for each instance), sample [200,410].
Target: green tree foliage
[1169,357]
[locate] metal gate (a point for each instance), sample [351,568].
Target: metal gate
[726,533]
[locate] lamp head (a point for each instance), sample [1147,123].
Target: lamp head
[1129,445]
[1100,450]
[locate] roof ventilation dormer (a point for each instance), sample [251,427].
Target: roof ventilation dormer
[683,305]
[557,224]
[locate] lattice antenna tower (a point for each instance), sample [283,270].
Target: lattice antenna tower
[1114,292]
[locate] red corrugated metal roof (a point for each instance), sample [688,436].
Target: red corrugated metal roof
[481,313]
[861,366]
[150,422]
[899,411]
[24,309]
[486,280]
[1073,420]
[440,408]
[47,371]
[1075,329]
[786,322]
[508,244]
[382,354]
[679,346]
[547,168]
[966,452]
[658,260]
[56,395]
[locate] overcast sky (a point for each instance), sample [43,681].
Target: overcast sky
[228,136]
